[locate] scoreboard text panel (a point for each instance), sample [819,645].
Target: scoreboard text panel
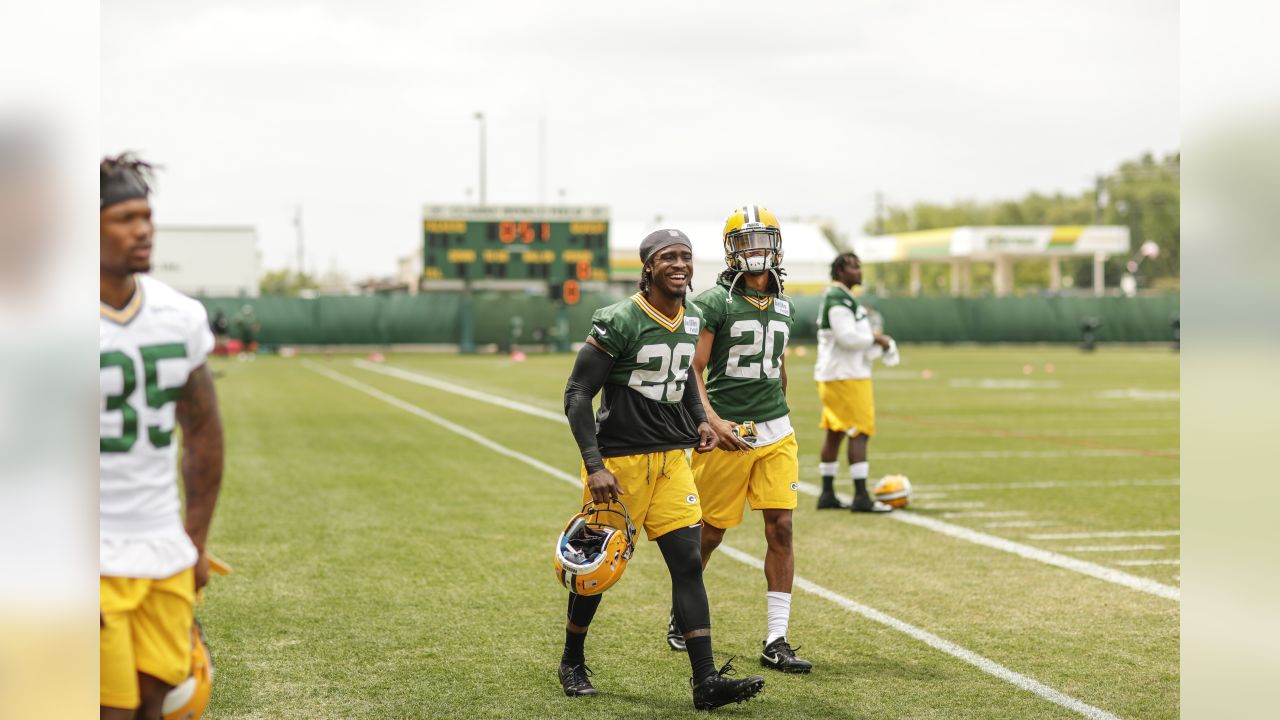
[515,249]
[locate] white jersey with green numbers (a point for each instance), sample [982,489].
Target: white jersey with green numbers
[146,352]
[744,373]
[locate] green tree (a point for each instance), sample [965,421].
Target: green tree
[286,282]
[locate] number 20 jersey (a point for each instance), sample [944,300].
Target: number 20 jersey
[146,353]
[641,410]
[744,373]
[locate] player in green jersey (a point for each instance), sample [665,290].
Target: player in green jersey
[639,351]
[747,321]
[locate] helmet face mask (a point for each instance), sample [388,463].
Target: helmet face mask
[591,554]
[752,240]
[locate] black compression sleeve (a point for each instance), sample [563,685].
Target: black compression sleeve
[590,371]
[692,399]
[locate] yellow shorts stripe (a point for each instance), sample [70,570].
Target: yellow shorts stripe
[848,406]
[657,489]
[766,477]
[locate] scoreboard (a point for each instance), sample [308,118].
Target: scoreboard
[501,245]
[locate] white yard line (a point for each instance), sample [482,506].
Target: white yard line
[956,531]
[1051,484]
[1106,534]
[982,663]
[984,514]
[1112,548]
[460,390]
[1148,562]
[1027,454]
[1019,523]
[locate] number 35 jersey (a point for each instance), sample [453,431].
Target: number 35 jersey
[146,353]
[641,410]
[744,373]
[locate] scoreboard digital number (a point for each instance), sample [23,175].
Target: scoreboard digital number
[521,244]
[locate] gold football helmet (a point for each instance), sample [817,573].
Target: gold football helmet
[893,490]
[189,698]
[591,553]
[748,230]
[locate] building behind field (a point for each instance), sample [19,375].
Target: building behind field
[207,260]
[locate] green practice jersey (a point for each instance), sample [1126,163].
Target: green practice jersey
[836,296]
[744,374]
[641,409]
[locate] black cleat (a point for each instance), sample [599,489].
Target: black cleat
[862,503]
[675,638]
[778,655]
[575,679]
[829,501]
[719,689]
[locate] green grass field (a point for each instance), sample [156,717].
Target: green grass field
[387,567]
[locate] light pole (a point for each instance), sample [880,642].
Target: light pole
[480,118]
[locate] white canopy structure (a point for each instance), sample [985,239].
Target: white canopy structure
[807,253]
[961,246]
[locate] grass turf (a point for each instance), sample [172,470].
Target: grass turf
[387,568]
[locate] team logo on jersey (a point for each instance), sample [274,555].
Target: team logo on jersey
[782,307]
[691,498]
[692,325]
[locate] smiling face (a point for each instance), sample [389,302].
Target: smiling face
[671,269]
[126,232]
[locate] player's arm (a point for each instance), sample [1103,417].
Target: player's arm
[721,427]
[782,367]
[849,333]
[202,456]
[590,370]
[692,401]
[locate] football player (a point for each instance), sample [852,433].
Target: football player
[639,352]
[741,345]
[152,344]
[847,343]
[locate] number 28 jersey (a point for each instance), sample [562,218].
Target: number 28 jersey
[641,409]
[744,373]
[146,352]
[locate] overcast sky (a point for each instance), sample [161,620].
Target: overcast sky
[361,112]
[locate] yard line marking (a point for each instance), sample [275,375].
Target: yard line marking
[1148,562]
[984,514]
[1019,523]
[1053,484]
[1028,454]
[1112,548]
[1100,572]
[431,382]
[964,505]
[1107,534]
[982,663]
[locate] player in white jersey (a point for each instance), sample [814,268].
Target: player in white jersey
[152,343]
[847,344]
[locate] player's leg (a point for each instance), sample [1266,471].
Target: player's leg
[772,490]
[118,676]
[152,691]
[836,420]
[673,522]
[162,640]
[827,468]
[720,480]
[864,414]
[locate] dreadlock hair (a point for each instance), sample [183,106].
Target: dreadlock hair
[127,162]
[646,282]
[841,260]
[775,279]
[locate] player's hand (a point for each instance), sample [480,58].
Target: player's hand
[202,571]
[883,341]
[707,440]
[729,440]
[603,487]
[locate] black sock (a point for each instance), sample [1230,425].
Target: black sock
[827,484]
[573,648]
[704,665]
[860,487]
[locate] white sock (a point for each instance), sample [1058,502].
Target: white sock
[779,614]
[828,469]
[859,471]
